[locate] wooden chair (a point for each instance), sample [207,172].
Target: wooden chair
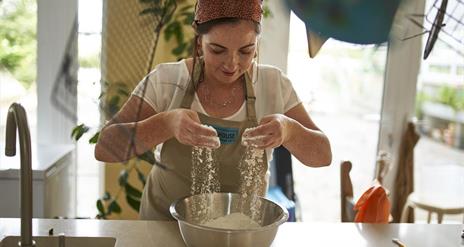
[346,187]
[433,198]
[440,208]
[346,192]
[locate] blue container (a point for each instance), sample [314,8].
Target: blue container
[275,194]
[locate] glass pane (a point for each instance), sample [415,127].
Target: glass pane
[18,19]
[90,25]
[342,90]
[439,154]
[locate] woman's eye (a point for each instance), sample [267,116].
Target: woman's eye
[245,52]
[216,51]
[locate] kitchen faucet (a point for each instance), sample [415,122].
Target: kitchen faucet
[17,120]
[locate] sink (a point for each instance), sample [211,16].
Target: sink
[52,241]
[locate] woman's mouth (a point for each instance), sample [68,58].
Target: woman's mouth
[228,73]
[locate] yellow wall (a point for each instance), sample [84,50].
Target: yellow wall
[126,45]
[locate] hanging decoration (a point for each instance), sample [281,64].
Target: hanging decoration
[353,21]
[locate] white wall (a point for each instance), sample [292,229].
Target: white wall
[56,20]
[273,45]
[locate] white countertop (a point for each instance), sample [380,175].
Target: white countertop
[43,157]
[166,233]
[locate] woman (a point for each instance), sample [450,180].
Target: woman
[220,86]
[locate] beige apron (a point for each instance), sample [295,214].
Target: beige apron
[166,185]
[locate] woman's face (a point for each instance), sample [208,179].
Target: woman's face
[228,51]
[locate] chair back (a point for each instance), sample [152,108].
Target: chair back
[346,193]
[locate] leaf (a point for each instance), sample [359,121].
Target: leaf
[150,1]
[155,11]
[180,36]
[78,131]
[188,20]
[106,196]
[100,208]
[123,92]
[114,101]
[179,49]
[187,8]
[267,12]
[123,176]
[113,105]
[114,207]
[94,138]
[141,177]
[101,95]
[148,156]
[134,203]
[170,30]
[121,85]
[132,191]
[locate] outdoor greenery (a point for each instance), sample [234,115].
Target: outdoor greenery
[89,61]
[18,44]
[446,95]
[451,96]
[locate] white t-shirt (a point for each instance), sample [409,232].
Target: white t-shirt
[168,82]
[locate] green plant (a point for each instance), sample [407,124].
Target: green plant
[18,39]
[451,96]
[421,97]
[165,21]
[108,204]
[89,61]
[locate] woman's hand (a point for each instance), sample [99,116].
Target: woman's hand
[272,131]
[186,127]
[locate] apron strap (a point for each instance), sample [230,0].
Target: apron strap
[195,79]
[250,99]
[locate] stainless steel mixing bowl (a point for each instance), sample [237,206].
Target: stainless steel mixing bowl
[192,211]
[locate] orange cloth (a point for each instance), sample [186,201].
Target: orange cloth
[373,206]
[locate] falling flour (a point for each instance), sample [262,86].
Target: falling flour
[252,173]
[233,221]
[205,178]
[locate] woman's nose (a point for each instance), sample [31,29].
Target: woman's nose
[231,62]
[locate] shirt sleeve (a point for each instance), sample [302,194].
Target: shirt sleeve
[158,87]
[289,95]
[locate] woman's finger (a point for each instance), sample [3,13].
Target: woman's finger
[201,129]
[257,131]
[207,141]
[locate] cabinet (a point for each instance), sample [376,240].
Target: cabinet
[54,182]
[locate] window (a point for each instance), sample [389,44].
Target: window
[342,90]
[18,43]
[90,25]
[440,69]
[439,154]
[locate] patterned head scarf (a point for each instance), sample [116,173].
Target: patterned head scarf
[207,10]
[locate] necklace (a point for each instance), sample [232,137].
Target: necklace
[208,97]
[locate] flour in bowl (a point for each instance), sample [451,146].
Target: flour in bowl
[233,221]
